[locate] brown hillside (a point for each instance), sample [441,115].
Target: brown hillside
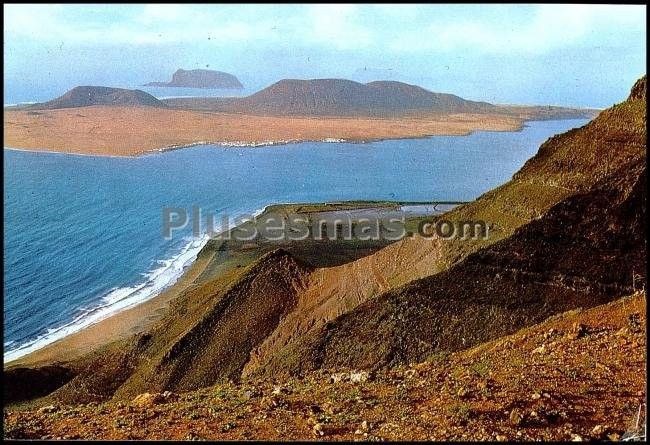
[586,250]
[543,182]
[577,376]
[206,337]
[219,345]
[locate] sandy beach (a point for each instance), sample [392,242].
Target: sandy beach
[133,131]
[115,327]
[208,265]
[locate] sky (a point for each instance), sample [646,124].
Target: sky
[574,55]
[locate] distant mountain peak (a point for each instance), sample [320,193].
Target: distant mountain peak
[200,78]
[86,96]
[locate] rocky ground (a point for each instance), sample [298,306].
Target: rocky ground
[578,376]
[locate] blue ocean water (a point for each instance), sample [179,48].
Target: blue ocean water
[83,234]
[165,92]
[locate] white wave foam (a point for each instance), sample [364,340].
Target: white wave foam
[275,142]
[258,212]
[118,299]
[20,103]
[176,97]
[192,97]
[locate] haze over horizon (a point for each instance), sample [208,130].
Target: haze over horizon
[572,55]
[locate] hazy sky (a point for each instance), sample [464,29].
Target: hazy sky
[546,54]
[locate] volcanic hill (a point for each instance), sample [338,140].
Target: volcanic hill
[86,96]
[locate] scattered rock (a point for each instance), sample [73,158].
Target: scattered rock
[318,429]
[602,366]
[516,418]
[148,399]
[279,390]
[315,410]
[598,430]
[550,333]
[517,396]
[48,409]
[622,332]
[462,392]
[411,373]
[359,377]
[227,426]
[330,408]
[339,377]
[634,322]
[577,331]
[193,436]
[169,396]
[270,402]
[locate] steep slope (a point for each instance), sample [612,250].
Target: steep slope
[219,345]
[587,250]
[205,338]
[26,383]
[200,79]
[86,96]
[577,376]
[566,165]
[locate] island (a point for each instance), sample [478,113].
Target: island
[117,122]
[200,79]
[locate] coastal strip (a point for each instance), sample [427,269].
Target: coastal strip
[134,131]
[209,263]
[115,327]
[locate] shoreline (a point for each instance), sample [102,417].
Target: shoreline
[144,314]
[270,143]
[157,281]
[132,132]
[129,321]
[35,150]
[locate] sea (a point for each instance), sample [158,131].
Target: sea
[83,235]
